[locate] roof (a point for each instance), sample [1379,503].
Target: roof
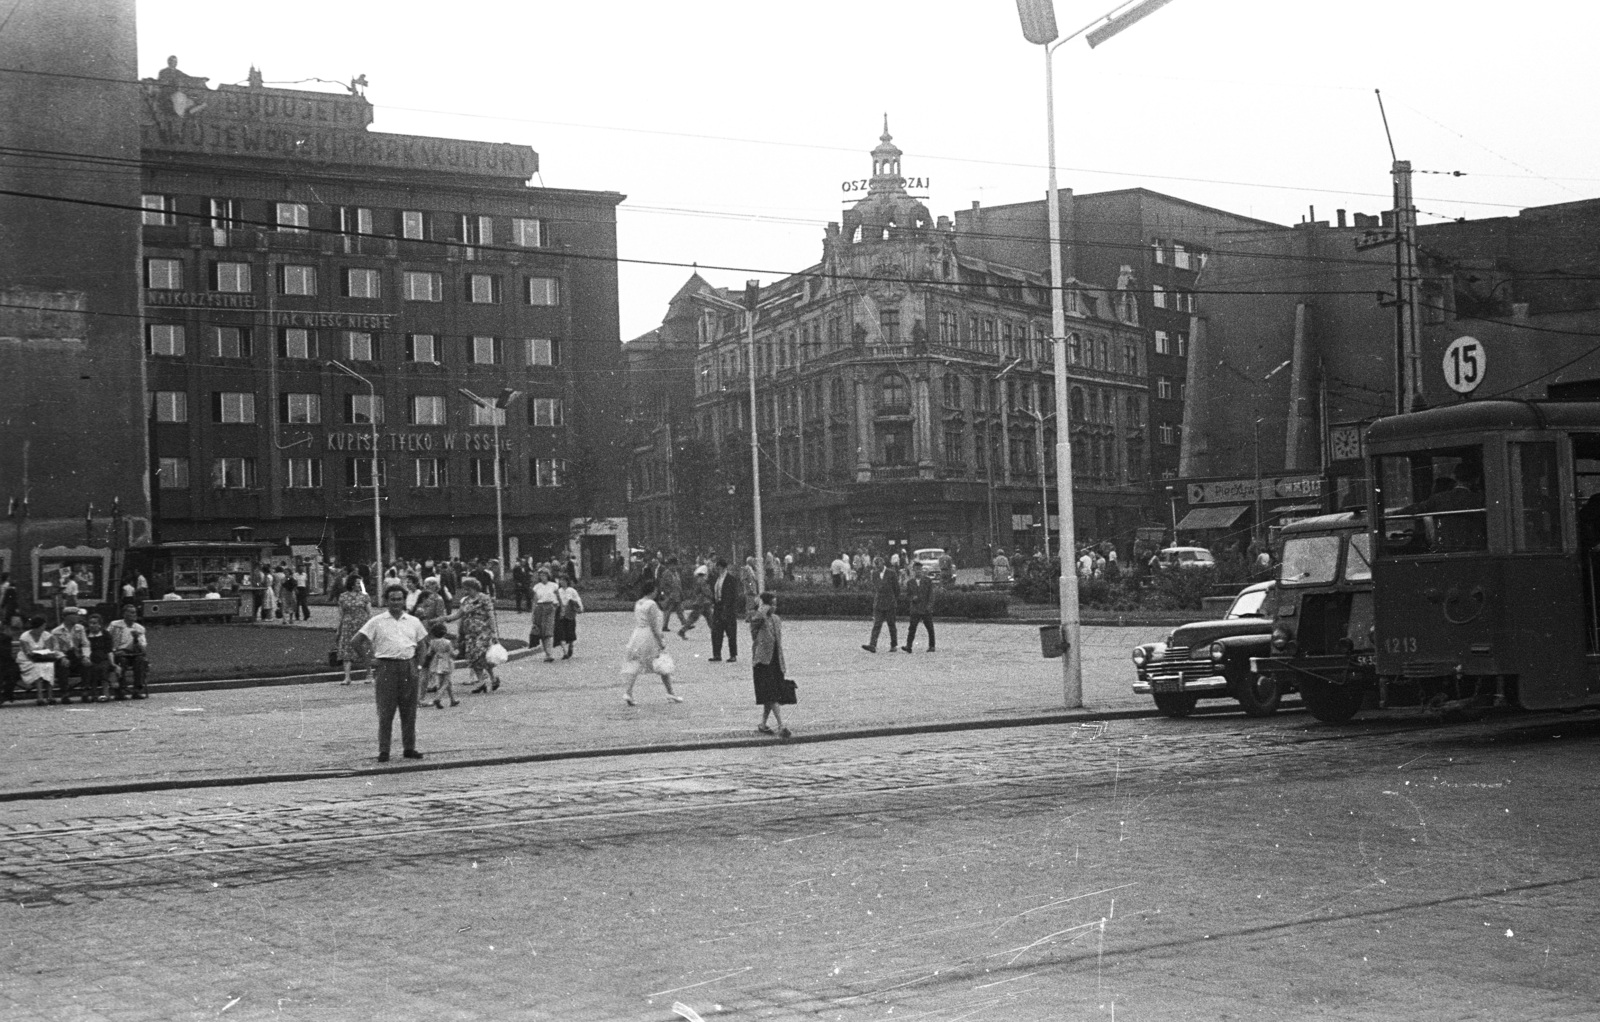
[1488,414]
[1212,517]
[1322,523]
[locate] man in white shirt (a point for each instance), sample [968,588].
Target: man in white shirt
[127,652]
[395,642]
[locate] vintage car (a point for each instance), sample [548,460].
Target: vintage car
[1184,557]
[1211,660]
[1323,622]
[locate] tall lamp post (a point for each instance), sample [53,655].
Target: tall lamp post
[377,492]
[1039,27]
[752,299]
[496,407]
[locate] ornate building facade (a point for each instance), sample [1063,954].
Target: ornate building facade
[904,393]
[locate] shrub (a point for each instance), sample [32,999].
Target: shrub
[848,603]
[1180,589]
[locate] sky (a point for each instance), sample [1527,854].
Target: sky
[730,127]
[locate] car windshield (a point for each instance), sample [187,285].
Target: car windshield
[1309,560]
[1248,604]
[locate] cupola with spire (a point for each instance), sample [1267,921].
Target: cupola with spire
[886,211]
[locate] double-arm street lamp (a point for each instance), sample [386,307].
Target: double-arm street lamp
[377,493]
[1039,27]
[496,408]
[752,293]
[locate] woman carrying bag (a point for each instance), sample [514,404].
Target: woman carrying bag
[646,651]
[479,635]
[773,687]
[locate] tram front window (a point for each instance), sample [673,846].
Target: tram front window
[1433,502]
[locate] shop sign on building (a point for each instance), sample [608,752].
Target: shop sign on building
[1232,491]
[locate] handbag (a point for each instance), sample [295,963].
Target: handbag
[663,664]
[786,693]
[496,654]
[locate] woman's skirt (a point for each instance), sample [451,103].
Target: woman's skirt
[544,621]
[566,630]
[770,686]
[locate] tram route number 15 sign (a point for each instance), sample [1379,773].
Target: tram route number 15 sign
[1465,362]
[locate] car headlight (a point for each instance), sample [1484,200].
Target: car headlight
[1140,655]
[1219,652]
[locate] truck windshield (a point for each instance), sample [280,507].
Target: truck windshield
[1358,563]
[1309,560]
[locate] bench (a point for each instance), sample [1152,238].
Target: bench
[225,609]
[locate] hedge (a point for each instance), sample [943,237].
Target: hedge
[850,603]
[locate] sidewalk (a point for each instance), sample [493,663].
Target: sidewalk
[982,673]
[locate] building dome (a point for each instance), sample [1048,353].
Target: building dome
[887,210]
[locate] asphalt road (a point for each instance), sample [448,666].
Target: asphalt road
[1151,869]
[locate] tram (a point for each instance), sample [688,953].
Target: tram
[1485,523]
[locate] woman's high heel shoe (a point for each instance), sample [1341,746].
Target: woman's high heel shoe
[480,690]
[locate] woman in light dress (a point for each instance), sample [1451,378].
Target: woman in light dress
[477,633]
[354,610]
[646,651]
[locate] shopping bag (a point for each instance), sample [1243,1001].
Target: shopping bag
[496,655]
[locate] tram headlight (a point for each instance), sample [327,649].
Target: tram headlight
[1282,639]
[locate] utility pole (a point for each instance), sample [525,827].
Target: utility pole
[1408,338]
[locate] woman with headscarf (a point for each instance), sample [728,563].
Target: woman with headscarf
[478,632]
[646,651]
[354,610]
[766,636]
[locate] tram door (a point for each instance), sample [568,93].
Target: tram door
[1586,493]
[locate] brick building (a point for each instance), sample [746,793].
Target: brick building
[281,235]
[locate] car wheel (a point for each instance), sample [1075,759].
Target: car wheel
[1259,694]
[1331,704]
[1176,704]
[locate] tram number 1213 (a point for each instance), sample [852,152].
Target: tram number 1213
[1400,644]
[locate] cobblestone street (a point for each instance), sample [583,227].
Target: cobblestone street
[1208,868]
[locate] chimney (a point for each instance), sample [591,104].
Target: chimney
[1340,213]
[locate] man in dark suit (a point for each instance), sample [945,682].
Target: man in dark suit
[919,601]
[886,594]
[726,601]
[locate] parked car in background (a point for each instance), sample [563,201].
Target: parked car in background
[1211,660]
[929,557]
[1185,557]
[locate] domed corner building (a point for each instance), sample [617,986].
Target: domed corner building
[899,386]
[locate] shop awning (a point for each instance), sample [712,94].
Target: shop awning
[1212,517]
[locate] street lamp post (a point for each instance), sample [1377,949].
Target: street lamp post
[377,493]
[752,290]
[1039,27]
[496,407]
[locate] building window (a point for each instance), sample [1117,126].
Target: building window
[1077,405]
[158,210]
[889,326]
[1158,296]
[1158,247]
[432,473]
[952,390]
[546,411]
[300,408]
[549,472]
[172,474]
[360,282]
[1130,359]
[476,230]
[892,391]
[231,278]
[355,220]
[358,472]
[363,409]
[1074,350]
[544,291]
[171,405]
[527,233]
[1183,344]
[481,416]
[295,342]
[359,346]
[164,339]
[233,473]
[422,348]
[954,441]
[1163,343]
[1164,388]
[163,274]
[231,342]
[483,288]
[543,351]
[414,224]
[483,471]
[1180,256]
[427,410]
[486,351]
[224,214]
[304,474]
[233,407]
[297,280]
[423,287]
[294,217]
[1166,434]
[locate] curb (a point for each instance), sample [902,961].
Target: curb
[134,787]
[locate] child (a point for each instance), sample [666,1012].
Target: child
[441,664]
[97,673]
